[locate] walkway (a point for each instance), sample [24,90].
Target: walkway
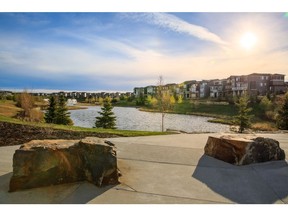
[165,169]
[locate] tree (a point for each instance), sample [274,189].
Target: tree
[165,102]
[180,99]
[282,119]
[172,100]
[50,115]
[243,117]
[151,101]
[107,119]
[26,102]
[140,101]
[62,114]
[265,106]
[100,100]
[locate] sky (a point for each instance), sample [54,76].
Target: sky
[102,51]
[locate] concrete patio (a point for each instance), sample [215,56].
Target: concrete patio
[164,169]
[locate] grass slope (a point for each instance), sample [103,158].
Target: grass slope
[125,133]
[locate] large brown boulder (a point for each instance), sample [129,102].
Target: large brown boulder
[243,151]
[51,162]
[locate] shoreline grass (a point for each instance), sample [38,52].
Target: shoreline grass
[222,113]
[125,133]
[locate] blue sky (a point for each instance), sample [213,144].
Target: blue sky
[120,51]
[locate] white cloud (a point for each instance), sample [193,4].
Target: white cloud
[176,24]
[59,60]
[120,62]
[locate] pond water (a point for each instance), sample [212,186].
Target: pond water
[129,118]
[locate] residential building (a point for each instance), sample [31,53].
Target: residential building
[258,84]
[217,88]
[179,90]
[204,89]
[237,85]
[151,90]
[187,87]
[71,102]
[169,88]
[139,91]
[277,84]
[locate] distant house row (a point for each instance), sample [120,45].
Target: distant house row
[84,95]
[252,84]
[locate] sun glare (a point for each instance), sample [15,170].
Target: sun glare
[248,40]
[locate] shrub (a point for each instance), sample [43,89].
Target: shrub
[270,115]
[26,102]
[282,119]
[36,115]
[263,127]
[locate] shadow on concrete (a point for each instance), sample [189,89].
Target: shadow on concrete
[4,181]
[259,183]
[74,193]
[85,193]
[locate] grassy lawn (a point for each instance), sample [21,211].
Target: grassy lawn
[125,133]
[206,109]
[8,108]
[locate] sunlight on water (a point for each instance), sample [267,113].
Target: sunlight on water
[133,119]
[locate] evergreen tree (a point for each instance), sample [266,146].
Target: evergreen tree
[243,117]
[282,120]
[50,115]
[62,114]
[107,119]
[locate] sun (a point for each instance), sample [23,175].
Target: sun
[248,40]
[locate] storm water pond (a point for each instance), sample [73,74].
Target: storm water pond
[129,118]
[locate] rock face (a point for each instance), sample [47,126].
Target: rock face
[243,151]
[50,162]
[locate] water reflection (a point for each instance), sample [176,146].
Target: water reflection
[133,119]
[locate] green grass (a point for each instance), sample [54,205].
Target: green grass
[123,103]
[205,109]
[228,121]
[125,133]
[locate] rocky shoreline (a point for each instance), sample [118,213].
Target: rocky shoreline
[17,134]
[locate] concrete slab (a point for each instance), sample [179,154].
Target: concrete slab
[6,159]
[275,174]
[160,154]
[175,140]
[122,196]
[165,169]
[240,184]
[167,180]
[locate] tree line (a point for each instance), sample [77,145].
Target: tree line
[57,112]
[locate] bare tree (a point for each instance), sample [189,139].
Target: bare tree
[165,102]
[26,102]
[29,113]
